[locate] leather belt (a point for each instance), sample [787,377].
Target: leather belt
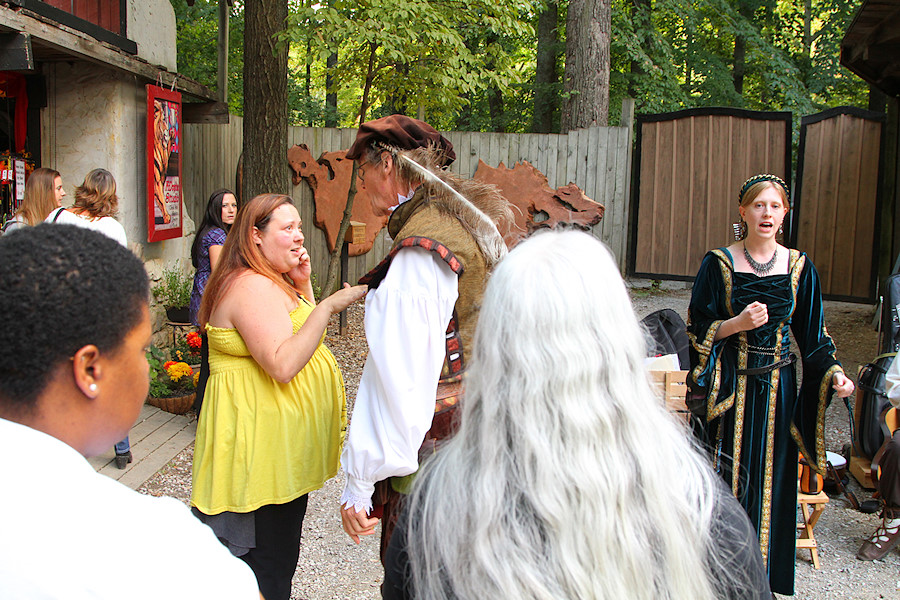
[789,359]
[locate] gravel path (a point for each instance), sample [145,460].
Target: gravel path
[332,567]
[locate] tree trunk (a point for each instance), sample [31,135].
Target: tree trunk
[334,261]
[587,64]
[331,112]
[737,73]
[265,99]
[546,77]
[307,84]
[746,8]
[640,16]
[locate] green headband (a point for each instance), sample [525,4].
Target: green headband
[760,178]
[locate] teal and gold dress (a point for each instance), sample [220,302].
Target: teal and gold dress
[756,420]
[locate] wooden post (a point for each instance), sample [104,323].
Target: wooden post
[356,234]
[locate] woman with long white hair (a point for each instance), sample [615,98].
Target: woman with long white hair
[568,478]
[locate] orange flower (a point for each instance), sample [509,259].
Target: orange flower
[168,364]
[194,340]
[177,370]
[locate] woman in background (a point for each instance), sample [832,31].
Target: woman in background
[96,205]
[217,220]
[274,416]
[747,299]
[43,193]
[567,478]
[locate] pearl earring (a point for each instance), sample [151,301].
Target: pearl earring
[93,387]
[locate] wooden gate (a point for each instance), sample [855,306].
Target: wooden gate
[837,199]
[689,166]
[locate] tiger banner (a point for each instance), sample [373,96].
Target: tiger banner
[164,138]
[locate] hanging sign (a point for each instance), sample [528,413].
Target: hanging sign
[20,179]
[164,139]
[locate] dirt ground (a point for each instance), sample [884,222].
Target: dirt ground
[332,567]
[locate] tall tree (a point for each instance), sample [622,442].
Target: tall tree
[265,99]
[588,25]
[546,76]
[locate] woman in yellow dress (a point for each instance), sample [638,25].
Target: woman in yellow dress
[274,414]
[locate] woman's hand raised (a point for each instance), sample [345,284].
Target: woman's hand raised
[344,297]
[755,314]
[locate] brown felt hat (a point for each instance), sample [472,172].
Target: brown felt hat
[403,133]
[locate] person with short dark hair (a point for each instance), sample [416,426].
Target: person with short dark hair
[96,205]
[71,384]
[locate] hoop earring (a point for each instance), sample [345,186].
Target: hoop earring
[740,230]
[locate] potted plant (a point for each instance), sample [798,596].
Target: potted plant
[187,348]
[172,383]
[174,292]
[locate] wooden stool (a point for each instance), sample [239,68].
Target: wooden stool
[810,517]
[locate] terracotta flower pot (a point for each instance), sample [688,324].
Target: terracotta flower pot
[177,405]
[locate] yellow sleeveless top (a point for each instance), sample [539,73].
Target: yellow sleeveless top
[259,441]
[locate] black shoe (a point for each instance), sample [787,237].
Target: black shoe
[123,459]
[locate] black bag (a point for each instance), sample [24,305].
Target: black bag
[872,403]
[667,334]
[889,328]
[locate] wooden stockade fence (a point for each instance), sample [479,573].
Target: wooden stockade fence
[596,159]
[690,166]
[837,200]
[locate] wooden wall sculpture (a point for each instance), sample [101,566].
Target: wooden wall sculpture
[535,203]
[329,178]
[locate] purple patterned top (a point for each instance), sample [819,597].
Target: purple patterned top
[213,237]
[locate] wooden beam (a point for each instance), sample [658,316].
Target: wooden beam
[81,46]
[204,112]
[15,52]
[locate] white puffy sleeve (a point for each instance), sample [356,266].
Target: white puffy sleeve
[406,320]
[892,383]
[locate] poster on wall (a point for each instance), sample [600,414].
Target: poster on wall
[164,138]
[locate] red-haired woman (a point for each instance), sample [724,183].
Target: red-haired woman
[274,414]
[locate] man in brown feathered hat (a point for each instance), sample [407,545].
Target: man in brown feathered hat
[421,310]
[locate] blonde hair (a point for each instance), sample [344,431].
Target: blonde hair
[755,189]
[40,196]
[567,478]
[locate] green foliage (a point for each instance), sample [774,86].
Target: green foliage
[174,287]
[155,359]
[196,41]
[471,65]
[177,380]
[415,53]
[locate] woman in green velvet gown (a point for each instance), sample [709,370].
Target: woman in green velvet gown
[741,318]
